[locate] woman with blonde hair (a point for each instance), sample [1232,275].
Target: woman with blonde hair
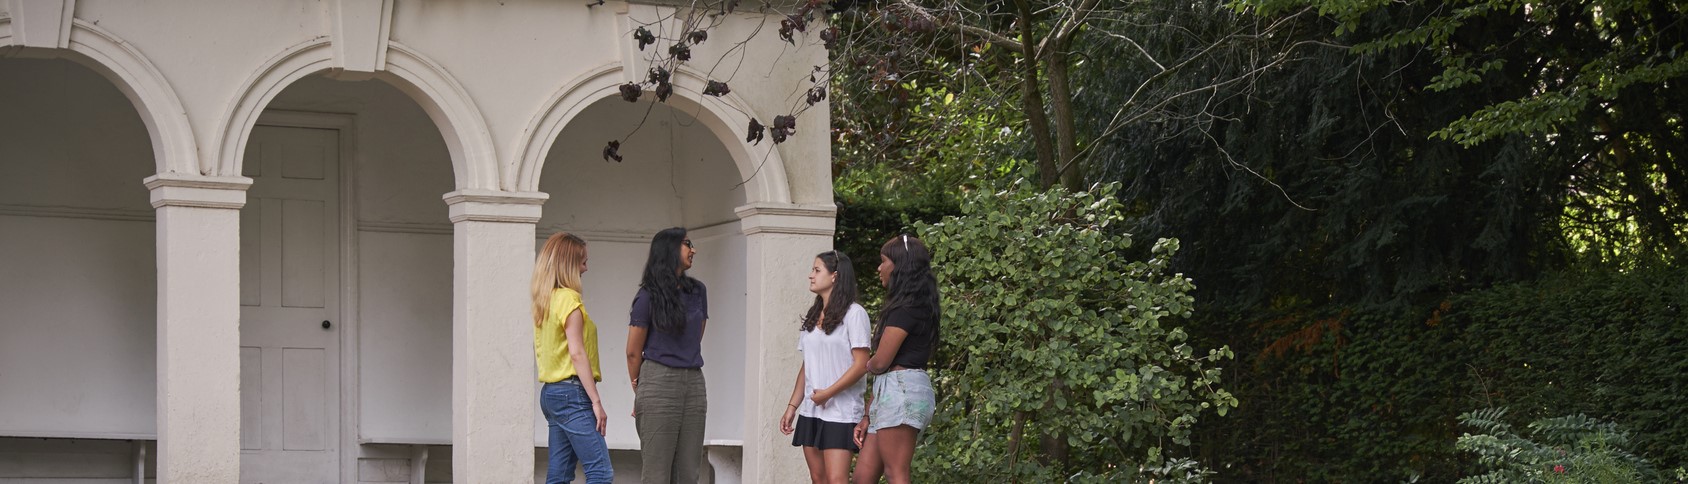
[565,342]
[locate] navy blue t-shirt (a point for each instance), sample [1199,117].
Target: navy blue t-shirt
[674,350]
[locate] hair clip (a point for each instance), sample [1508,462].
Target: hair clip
[905,242]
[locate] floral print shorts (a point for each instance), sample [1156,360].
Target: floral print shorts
[902,397]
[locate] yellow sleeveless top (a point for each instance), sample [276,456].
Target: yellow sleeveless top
[551,346]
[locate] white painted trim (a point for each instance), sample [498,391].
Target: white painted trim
[140,462]
[471,205]
[111,214]
[173,146]
[473,159]
[418,464]
[722,229]
[796,219]
[541,233]
[473,156]
[176,190]
[405,228]
[724,117]
[401,441]
[42,23]
[53,434]
[361,32]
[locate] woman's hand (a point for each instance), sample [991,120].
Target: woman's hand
[861,432]
[598,411]
[787,419]
[821,396]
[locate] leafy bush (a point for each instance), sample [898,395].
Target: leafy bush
[1573,449]
[1058,362]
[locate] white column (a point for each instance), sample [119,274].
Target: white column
[492,373]
[782,240]
[198,326]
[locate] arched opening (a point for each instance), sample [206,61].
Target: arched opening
[78,332]
[346,284]
[676,172]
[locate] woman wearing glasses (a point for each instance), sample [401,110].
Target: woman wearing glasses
[903,401]
[665,362]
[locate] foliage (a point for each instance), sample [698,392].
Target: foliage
[1052,333]
[911,161]
[1374,393]
[1323,188]
[1571,449]
[1596,86]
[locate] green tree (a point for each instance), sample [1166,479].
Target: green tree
[1052,333]
[1598,86]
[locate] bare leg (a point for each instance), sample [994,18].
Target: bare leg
[869,465]
[896,448]
[817,465]
[837,465]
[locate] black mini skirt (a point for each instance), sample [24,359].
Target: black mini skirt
[824,435]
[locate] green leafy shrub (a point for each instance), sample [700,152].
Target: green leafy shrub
[1572,449]
[1058,360]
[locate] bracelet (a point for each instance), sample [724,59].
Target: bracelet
[792,405]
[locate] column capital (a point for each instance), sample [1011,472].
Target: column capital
[180,190]
[480,205]
[788,218]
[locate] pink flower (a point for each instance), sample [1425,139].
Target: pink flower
[1559,468]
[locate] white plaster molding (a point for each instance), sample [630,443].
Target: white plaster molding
[788,218]
[473,205]
[361,30]
[405,227]
[176,190]
[173,147]
[257,91]
[42,23]
[724,116]
[473,159]
[84,213]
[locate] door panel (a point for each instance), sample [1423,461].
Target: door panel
[290,363]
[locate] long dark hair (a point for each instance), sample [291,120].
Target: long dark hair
[843,294]
[664,281]
[912,285]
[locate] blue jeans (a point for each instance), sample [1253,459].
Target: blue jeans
[574,434]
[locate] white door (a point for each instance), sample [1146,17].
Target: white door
[289,297]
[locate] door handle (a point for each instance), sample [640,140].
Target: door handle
[326,324]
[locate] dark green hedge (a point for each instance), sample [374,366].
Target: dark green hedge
[1374,395]
[865,223]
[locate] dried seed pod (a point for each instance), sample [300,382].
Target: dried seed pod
[644,37]
[716,88]
[612,151]
[755,135]
[630,92]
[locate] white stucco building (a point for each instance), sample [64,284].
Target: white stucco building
[289,241]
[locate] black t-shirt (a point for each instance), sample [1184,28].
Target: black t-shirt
[922,331]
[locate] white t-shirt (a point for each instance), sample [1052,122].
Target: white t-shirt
[826,357]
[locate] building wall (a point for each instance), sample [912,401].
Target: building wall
[478,80]
[76,255]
